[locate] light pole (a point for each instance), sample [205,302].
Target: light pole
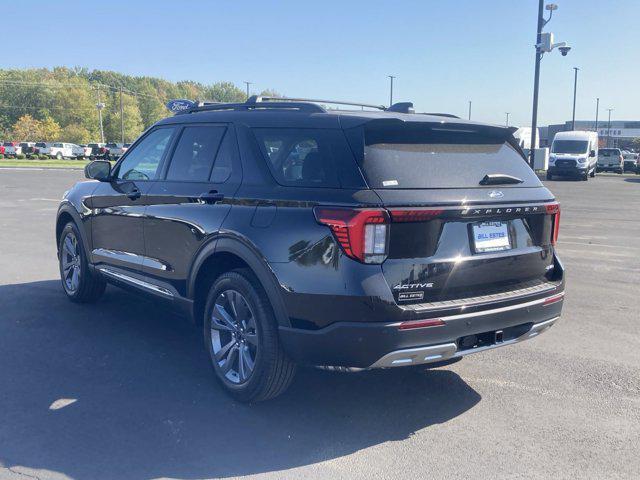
[609,127]
[597,110]
[544,44]
[247,84]
[121,118]
[391,77]
[100,106]
[575,86]
[507,122]
[469,109]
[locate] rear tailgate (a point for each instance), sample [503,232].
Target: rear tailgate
[452,238]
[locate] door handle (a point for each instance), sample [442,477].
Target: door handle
[211,196]
[134,194]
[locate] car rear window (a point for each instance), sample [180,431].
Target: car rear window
[414,156]
[608,152]
[308,157]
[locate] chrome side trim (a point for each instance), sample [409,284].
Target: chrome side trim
[132,258]
[136,281]
[446,351]
[127,257]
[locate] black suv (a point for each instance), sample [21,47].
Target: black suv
[344,239]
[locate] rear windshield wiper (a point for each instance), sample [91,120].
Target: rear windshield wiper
[499,179]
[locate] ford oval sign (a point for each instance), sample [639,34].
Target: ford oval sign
[496,194]
[176,106]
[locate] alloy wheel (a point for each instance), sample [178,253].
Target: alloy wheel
[234,336]
[71,262]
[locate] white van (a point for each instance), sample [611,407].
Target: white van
[574,154]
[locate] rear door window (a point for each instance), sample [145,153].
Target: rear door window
[305,157]
[414,156]
[195,152]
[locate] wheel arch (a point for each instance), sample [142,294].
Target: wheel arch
[225,254]
[67,214]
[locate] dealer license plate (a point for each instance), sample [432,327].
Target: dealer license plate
[490,236]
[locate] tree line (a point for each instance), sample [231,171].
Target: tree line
[60,104]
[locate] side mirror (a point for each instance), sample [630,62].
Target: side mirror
[592,153]
[98,170]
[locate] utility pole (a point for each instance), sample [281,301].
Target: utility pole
[391,77]
[121,117]
[609,127]
[575,87]
[247,84]
[469,109]
[597,109]
[507,114]
[100,106]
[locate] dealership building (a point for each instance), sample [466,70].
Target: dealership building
[620,133]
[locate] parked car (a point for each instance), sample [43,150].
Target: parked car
[43,148]
[81,151]
[272,232]
[87,151]
[98,150]
[610,160]
[61,150]
[574,154]
[116,150]
[630,161]
[28,148]
[11,149]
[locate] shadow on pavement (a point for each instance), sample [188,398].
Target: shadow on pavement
[145,404]
[632,180]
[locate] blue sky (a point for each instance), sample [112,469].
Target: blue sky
[444,53]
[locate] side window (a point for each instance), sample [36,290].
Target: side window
[142,162]
[303,157]
[193,157]
[223,167]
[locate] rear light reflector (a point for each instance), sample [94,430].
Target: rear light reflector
[432,322]
[553,299]
[554,210]
[363,234]
[414,214]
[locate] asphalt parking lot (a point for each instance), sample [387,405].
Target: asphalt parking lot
[122,389]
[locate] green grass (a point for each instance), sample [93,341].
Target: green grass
[12,162]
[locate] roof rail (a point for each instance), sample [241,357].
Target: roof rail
[257,99]
[249,105]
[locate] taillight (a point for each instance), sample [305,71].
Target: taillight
[414,214]
[554,210]
[363,234]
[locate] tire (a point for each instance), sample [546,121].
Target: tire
[58,156]
[254,337]
[585,177]
[549,176]
[81,286]
[619,171]
[593,173]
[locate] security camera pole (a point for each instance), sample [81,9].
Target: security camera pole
[544,43]
[391,77]
[247,84]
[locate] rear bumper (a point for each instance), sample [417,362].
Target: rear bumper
[380,345]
